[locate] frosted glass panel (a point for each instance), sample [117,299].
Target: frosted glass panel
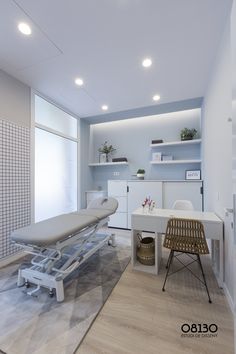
[55,175]
[54,118]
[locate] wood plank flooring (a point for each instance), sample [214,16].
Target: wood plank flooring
[138,318]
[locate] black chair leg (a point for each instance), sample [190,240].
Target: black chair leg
[168,260]
[204,278]
[168,269]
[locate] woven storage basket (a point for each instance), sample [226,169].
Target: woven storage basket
[146,251]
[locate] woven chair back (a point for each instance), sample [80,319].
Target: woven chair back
[186,235]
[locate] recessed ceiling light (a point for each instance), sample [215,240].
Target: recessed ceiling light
[24,28]
[104,107]
[156,97]
[79,81]
[147,62]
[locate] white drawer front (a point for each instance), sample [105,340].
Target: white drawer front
[118,220]
[122,207]
[117,188]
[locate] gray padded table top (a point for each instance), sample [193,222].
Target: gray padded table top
[50,231]
[97,213]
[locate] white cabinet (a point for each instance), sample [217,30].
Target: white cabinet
[118,190]
[138,191]
[91,195]
[131,194]
[173,191]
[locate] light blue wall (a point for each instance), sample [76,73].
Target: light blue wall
[86,178]
[132,137]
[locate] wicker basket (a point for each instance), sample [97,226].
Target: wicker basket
[146,251]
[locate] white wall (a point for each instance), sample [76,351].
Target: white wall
[217,145]
[14,100]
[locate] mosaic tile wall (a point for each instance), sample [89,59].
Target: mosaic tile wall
[14,182]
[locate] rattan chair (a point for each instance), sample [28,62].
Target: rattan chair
[186,236]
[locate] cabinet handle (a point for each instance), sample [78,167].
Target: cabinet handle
[127,189]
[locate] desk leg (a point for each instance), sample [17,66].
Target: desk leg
[221,266]
[158,250]
[134,237]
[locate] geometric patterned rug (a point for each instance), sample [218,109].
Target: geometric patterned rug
[41,325]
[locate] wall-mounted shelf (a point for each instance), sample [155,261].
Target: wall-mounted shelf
[176,143]
[94,164]
[174,162]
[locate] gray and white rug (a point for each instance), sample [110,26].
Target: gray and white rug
[40,325]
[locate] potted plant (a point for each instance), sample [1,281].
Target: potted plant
[140,173]
[106,150]
[188,134]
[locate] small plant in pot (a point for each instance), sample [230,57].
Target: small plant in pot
[140,173]
[107,150]
[188,134]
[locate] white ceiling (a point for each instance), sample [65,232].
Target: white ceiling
[104,42]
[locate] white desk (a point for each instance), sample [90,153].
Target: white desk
[156,221]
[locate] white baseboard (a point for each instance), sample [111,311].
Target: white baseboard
[12,258]
[229,299]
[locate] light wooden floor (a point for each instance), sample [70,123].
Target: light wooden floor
[139,318]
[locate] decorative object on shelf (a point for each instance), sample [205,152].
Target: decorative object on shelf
[188,134]
[120,159]
[102,158]
[107,150]
[193,174]
[146,250]
[156,156]
[157,141]
[167,157]
[140,173]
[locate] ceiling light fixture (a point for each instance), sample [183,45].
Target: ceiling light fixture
[79,81]
[147,62]
[104,107]
[156,97]
[24,28]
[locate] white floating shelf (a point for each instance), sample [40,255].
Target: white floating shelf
[173,162]
[175,143]
[108,163]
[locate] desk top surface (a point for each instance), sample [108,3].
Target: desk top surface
[172,213]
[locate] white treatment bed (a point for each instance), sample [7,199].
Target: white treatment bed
[61,244]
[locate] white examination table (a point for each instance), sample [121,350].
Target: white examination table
[61,244]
